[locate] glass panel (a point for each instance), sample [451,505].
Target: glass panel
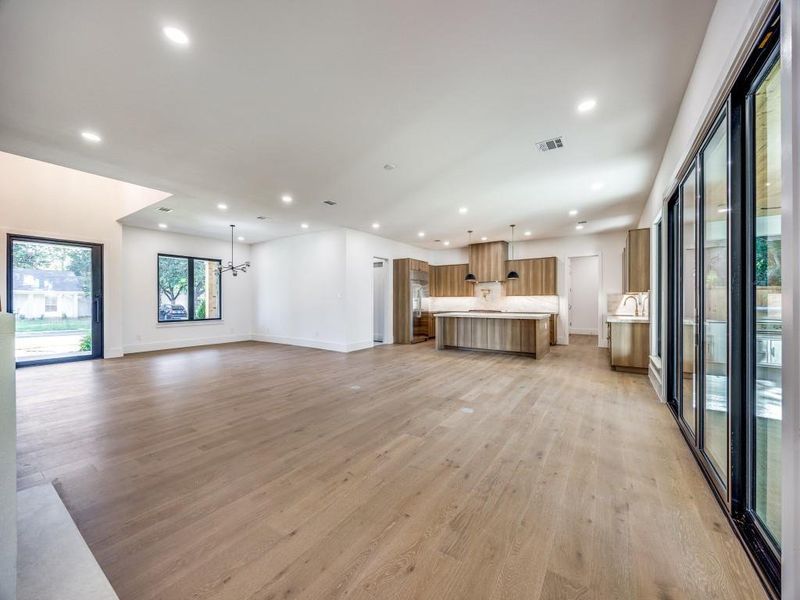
[688,302]
[206,289]
[173,288]
[768,318]
[52,300]
[715,309]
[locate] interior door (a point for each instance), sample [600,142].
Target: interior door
[55,291]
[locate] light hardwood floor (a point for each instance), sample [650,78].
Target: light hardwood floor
[258,471]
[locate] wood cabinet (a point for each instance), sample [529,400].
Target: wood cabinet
[401,297]
[629,345]
[636,261]
[488,261]
[527,336]
[448,281]
[537,277]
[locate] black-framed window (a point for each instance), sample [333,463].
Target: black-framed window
[189,289]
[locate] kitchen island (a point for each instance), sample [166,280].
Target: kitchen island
[520,333]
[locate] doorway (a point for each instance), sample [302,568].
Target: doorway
[584,294]
[378,300]
[55,291]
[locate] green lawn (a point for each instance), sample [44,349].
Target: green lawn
[44,325]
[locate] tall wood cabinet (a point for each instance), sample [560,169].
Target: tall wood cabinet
[487,261]
[448,281]
[637,261]
[537,277]
[401,305]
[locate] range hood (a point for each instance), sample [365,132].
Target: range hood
[488,261]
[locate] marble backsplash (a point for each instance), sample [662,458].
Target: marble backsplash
[491,296]
[618,306]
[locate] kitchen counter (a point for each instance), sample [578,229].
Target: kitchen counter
[494,315]
[519,333]
[626,319]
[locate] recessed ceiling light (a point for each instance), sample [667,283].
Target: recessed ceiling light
[304,225]
[598,185]
[579,227]
[376,225]
[527,233]
[484,238]
[587,105]
[286,198]
[389,167]
[176,36]
[240,238]
[446,242]
[421,234]
[222,206]
[91,136]
[463,210]
[163,226]
[573,212]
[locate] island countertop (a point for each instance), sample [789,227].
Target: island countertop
[494,315]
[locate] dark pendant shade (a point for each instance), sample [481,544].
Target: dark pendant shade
[512,275]
[471,278]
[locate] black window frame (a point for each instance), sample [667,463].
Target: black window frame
[190,316]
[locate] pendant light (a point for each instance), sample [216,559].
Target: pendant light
[512,274]
[470,278]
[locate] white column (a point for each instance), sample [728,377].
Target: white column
[8,461]
[790,256]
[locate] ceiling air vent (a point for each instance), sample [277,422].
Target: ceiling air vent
[329,202]
[164,209]
[553,144]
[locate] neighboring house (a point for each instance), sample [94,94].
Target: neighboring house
[40,293]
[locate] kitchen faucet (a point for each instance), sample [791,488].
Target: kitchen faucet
[639,302]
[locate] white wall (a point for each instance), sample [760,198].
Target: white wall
[8,461]
[41,199]
[299,289]
[727,29]
[141,330]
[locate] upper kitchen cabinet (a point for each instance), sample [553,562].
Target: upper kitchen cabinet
[537,277]
[488,261]
[637,261]
[448,281]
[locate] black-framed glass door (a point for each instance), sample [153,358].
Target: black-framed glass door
[764,321]
[55,291]
[724,316]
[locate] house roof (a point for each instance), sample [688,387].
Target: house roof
[46,280]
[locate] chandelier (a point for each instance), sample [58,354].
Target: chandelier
[234,269]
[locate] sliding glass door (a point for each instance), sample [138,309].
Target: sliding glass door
[714,290]
[688,301]
[55,292]
[765,323]
[724,304]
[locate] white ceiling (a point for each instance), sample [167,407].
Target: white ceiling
[314,97]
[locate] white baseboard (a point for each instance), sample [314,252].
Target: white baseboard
[579,331]
[112,352]
[185,343]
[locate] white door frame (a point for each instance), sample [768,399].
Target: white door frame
[388,338]
[600,294]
